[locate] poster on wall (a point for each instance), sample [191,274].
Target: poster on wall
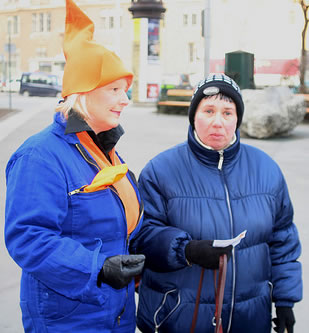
[153,40]
[152,91]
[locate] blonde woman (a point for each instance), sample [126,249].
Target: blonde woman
[72,206]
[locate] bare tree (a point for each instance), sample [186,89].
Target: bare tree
[303,59]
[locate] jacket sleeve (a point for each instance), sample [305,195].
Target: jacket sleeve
[162,244]
[285,249]
[36,205]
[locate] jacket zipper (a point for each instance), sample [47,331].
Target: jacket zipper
[220,164]
[233,260]
[113,189]
[78,190]
[86,157]
[221,158]
[124,307]
[127,246]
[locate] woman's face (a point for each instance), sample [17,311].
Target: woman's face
[215,122]
[105,104]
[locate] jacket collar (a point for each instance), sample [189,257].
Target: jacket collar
[75,123]
[209,156]
[67,129]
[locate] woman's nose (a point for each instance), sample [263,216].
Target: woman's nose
[124,99]
[218,119]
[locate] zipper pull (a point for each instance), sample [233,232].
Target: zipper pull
[74,192]
[220,159]
[78,190]
[118,320]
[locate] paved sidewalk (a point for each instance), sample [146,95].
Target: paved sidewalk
[147,133]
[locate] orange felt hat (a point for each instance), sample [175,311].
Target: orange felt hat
[88,64]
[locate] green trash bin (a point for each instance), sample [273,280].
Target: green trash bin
[239,66]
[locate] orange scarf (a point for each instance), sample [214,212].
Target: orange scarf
[121,183]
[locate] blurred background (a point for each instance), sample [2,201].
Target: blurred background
[167,44]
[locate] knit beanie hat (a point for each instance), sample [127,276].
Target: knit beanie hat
[88,64]
[213,85]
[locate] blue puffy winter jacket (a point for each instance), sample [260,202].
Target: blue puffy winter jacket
[61,239]
[189,195]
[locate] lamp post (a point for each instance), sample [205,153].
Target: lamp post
[206,27]
[9,64]
[146,49]
[147,8]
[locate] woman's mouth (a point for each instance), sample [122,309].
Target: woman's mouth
[216,135]
[116,112]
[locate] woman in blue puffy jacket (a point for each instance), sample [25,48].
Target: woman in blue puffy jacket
[72,206]
[208,188]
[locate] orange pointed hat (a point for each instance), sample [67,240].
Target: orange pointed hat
[88,64]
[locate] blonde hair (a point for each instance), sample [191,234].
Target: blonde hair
[76,102]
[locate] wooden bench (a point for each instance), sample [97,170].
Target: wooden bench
[180,92]
[175,101]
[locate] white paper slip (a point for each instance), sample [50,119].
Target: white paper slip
[226,242]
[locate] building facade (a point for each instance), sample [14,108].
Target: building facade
[31,33]
[34,30]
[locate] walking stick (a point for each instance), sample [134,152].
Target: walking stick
[219,292]
[197,301]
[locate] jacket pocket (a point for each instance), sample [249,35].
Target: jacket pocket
[98,214]
[104,178]
[54,306]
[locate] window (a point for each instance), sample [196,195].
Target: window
[185,19]
[41,22]
[15,24]
[34,22]
[108,22]
[10,30]
[190,19]
[191,52]
[41,52]
[12,25]
[111,19]
[103,22]
[193,19]
[48,22]
[111,22]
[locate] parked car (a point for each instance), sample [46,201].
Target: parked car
[40,84]
[12,85]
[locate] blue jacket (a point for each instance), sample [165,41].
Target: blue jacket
[61,239]
[188,196]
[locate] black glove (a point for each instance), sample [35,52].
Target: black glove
[201,252]
[118,271]
[285,319]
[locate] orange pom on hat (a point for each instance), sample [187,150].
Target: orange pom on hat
[88,64]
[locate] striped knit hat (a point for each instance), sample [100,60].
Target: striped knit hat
[215,84]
